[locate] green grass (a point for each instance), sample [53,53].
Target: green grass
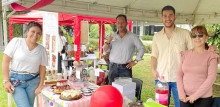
[143,71]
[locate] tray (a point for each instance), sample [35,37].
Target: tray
[71,99]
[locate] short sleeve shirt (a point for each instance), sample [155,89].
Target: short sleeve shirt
[23,59]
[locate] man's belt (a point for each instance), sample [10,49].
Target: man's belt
[122,65]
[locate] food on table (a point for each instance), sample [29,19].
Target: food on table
[50,82]
[71,94]
[61,86]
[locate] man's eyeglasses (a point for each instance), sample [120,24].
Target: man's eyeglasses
[199,35]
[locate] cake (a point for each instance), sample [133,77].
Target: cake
[61,86]
[70,94]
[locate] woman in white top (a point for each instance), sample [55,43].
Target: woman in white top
[23,60]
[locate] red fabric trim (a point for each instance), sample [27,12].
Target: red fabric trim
[10,29]
[39,4]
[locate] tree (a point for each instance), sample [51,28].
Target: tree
[94,30]
[214,32]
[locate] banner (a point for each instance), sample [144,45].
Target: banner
[50,38]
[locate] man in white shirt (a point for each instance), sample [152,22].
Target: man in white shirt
[62,50]
[122,47]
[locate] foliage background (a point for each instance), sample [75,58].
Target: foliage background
[214,29]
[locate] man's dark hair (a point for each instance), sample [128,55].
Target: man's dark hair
[168,8]
[122,15]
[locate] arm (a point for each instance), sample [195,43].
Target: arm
[154,56]
[207,84]
[107,44]
[212,48]
[154,67]
[7,57]
[181,92]
[140,47]
[141,50]
[42,77]
[42,71]
[5,72]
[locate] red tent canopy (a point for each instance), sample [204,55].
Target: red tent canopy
[67,20]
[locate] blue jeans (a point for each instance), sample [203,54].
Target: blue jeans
[24,93]
[173,88]
[118,70]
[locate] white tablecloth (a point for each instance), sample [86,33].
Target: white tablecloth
[48,99]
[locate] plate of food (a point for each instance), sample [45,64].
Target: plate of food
[71,94]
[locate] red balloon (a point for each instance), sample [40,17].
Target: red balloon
[106,96]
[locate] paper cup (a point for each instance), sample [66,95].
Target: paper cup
[65,76]
[49,77]
[59,76]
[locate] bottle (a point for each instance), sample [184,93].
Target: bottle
[92,77]
[162,91]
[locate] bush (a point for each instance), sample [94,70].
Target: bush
[147,37]
[94,43]
[94,31]
[148,48]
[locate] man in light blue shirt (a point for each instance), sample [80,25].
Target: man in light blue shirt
[122,47]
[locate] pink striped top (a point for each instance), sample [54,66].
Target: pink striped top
[196,74]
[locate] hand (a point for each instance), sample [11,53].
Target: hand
[183,99]
[38,90]
[190,99]
[110,38]
[212,48]
[155,74]
[130,64]
[9,87]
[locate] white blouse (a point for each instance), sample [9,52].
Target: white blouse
[23,59]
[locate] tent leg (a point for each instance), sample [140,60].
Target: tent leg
[9,100]
[5,26]
[1,35]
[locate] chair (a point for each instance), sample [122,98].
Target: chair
[216,102]
[139,84]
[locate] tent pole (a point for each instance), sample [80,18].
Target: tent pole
[5,26]
[100,40]
[1,35]
[77,40]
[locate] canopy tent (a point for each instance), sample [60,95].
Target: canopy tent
[146,11]
[67,20]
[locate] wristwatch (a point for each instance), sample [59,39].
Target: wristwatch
[135,61]
[4,81]
[107,43]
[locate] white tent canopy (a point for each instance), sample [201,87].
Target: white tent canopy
[148,11]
